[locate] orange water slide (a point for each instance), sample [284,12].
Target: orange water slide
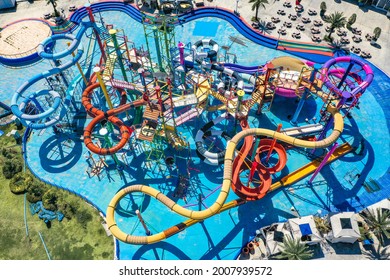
[100,115]
[264,146]
[240,165]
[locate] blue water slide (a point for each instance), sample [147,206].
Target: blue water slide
[234,20]
[130,10]
[134,13]
[19,102]
[242,69]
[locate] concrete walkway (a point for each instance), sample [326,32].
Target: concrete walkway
[367,19]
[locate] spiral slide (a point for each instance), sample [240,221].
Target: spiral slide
[19,102]
[246,192]
[100,116]
[264,147]
[352,60]
[219,205]
[207,156]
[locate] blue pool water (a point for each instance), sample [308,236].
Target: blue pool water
[205,29]
[62,161]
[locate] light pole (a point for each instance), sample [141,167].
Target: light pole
[236,11]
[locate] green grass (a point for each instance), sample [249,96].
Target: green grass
[66,240]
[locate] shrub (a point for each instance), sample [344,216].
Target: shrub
[35,191]
[322,8]
[8,153]
[352,19]
[11,167]
[83,217]
[49,199]
[18,184]
[377,33]
[69,209]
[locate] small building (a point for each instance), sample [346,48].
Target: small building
[382,205]
[6,4]
[344,227]
[273,236]
[304,229]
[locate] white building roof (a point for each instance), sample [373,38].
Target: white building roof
[274,238]
[344,224]
[384,204]
[305,226]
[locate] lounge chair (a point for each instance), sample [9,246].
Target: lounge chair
[364,54]
[296,35]
[292,17]
[356,39]
[355,50]
[282,31]
[356,31]
[341,32]
[369,37]
[316,38]
[315,30]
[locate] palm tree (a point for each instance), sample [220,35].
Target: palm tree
[54,4]
[379,253]
[378,223]
[256,4]
[338,48]
[294,250]
[262,26]
[322,225]
[336,20]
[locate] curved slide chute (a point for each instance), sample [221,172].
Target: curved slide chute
[242,69]
[209,43]
[219,204]
[19,101]
[239,164]
[205,155]
[326,72]
[110,116]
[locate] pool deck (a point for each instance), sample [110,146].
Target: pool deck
[367,19]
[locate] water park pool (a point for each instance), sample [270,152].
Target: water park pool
[62,159]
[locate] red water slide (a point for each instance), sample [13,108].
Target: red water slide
[240,164]
[110,116]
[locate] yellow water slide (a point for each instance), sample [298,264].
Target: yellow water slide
[196,216]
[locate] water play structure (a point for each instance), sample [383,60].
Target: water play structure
[175,106]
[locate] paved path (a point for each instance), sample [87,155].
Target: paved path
[367,19]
